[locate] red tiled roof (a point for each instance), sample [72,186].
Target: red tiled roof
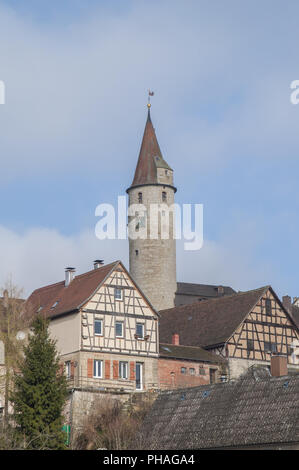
[150,157]
[208,322]
[70,298]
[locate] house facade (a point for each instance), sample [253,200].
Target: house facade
[105,328]
[245,328]
[187,366]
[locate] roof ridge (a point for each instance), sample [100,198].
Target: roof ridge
[55,284]
[96,270]
[185,346]
[201,284]
[205,301]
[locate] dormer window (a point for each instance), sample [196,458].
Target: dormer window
[55,304]
[118,294]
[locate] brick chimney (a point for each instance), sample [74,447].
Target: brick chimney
[176,339]
[287,303]
[279,365]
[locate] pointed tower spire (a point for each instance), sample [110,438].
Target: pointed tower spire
[150,156]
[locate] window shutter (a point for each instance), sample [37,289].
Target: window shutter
[90,368]
[132,370]
[107,369]
[115,369]
[72,369]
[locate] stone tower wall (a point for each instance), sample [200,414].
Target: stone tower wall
[153,261]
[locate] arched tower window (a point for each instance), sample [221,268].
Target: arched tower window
[164,196]
[140,198]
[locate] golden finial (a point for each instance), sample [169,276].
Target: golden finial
[150,93]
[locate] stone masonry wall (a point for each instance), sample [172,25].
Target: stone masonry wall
[153,261]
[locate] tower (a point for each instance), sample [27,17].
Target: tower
[153,259]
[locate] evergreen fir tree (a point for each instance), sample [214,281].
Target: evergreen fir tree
[40,391]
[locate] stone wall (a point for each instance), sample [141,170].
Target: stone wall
[153,261]
[171,376]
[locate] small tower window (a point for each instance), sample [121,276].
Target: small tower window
[140,198]
[164,196]
[136,252]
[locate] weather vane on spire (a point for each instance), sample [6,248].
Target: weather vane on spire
[150,93]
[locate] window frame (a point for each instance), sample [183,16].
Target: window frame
[122,329]
[96,368]
[121,294]
[123,367]
[98,320]
[268,307]
[143,330]
[67,367]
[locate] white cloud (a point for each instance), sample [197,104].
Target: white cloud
[38,257]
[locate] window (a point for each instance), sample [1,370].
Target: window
[250,344]
[55,304]
[119,329]
[97,369]
[67,366]
[98,327]
[136,252]
[192,371]
[118,294]
[268,307]
[270,347]
[183,370]
[123,370]
[140,198]
[202,371]
[140,330]
[164,196]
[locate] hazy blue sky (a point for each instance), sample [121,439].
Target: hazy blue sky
[77,74]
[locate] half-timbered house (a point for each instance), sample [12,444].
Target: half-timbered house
[245,328]
[106,329]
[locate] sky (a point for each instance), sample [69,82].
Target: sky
[76,77]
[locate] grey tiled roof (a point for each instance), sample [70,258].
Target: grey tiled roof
[172,351]
[201,290]
[208,322]
[255,410]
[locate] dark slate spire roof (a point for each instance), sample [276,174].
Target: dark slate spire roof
[150,157]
